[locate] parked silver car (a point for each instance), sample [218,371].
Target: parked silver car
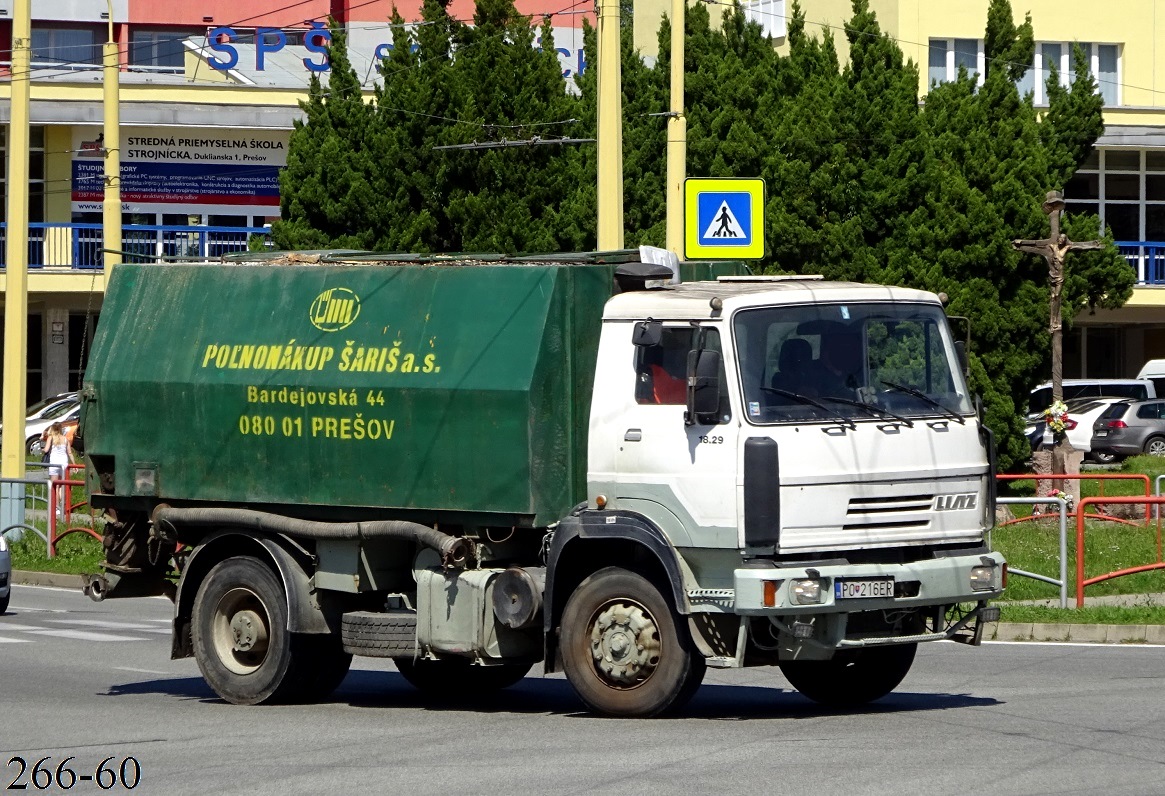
[62,408]
[1131,427]
[5,574]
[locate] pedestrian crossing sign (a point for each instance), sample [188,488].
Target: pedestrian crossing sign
[724,218]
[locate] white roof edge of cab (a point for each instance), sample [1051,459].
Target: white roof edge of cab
[692,300]
[772,278]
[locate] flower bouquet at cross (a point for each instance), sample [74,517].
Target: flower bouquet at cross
[1060,494]
[1056,416]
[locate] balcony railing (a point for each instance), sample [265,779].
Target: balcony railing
[79,246]
[1147,257]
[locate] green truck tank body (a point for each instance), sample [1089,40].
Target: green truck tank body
[330,389]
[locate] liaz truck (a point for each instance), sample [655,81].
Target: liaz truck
[619,471]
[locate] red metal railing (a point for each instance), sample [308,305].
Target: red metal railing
[1080,512]
[64,488]
[1081,581]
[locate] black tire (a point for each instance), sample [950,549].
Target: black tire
[695,679]
[34,446]
[646,663]
[459,677]
[329,665]
[1105,457]
[4,603]
[243,647]
[852,677]
[1155,446]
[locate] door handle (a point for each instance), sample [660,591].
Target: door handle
[633,435]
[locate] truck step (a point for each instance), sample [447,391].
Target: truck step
[391,634]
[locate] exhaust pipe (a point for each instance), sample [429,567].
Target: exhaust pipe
[96,587]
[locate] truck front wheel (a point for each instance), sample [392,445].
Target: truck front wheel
[852,677]
[622,649]
[243,646]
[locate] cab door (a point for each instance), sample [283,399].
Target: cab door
[681,476]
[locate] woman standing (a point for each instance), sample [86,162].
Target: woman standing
[60,452]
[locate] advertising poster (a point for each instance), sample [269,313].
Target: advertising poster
[184,170]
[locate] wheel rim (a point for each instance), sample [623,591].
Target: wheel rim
[1156,447]
[241,631]
[625,644]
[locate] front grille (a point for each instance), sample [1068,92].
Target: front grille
[876,505]
[869,513]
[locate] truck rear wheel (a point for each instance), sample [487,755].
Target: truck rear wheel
[622,649]
[852,677]
[458,677]
[243,647]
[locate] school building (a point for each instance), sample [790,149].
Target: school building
[210,91]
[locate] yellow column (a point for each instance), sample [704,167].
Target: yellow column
[677,135]
[610,129]
[16,291]
[111,206]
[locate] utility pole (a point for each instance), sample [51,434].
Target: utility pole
[16,272]
[610,129]
[677,135]
[111,204]
[1053,249]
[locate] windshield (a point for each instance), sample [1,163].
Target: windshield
[848,362]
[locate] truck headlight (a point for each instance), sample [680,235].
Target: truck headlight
[984,578]
[806,591]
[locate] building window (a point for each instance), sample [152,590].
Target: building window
[36,174]
[1103,62]
[1126,188]
[66,48]
[947,55]
[769,14]
[158,50]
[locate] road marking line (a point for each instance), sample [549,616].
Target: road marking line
[141,671]
[30,609]
[102,623]
[14,626]
[84,635]
[13,640]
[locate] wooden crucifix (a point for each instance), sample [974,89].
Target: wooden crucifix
[1053,249]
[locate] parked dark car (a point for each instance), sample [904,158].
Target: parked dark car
[1131,427]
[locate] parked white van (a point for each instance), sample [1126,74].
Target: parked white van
[1154,371]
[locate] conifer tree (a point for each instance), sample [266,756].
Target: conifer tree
[325,190]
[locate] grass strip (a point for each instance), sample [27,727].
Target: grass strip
[1089,615]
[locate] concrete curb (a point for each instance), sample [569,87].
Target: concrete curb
[21,577]
[1097,634]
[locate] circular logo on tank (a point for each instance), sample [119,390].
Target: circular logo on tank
[334,309]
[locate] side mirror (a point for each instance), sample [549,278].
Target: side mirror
[961,353]
[647,333]
[703,387]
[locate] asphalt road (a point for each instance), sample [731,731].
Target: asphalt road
[92,680]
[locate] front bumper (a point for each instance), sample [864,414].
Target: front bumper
[939,581]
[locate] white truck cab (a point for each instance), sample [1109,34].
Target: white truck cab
[826,477]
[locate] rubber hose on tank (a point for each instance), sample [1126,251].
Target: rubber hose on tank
[454,550]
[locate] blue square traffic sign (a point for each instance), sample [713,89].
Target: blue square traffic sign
[724,218]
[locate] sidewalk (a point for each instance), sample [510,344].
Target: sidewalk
[992,631]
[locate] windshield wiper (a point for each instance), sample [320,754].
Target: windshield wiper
[874,410]
[946,411]
[805,399]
